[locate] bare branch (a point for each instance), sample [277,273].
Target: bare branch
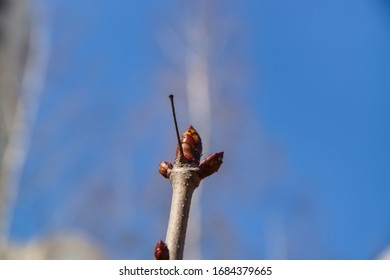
[185,176]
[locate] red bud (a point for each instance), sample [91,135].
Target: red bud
[161,251]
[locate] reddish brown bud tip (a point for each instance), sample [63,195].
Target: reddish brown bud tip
[161,251]
[191,144]
[210,165]
[165,169]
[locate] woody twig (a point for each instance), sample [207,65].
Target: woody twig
[185,175]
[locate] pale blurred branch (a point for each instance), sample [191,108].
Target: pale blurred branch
[14,44]
[24,54]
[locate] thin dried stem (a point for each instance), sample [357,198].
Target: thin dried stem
[176,127]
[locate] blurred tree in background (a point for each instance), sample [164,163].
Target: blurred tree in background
[22,68]
[14,45]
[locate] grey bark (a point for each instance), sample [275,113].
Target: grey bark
[184,182]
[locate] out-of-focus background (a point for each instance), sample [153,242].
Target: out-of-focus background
[296,93]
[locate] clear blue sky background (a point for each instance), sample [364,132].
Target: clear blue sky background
[305,133]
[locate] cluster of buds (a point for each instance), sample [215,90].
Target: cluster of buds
[191,145]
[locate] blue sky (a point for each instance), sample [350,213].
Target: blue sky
[303,123]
